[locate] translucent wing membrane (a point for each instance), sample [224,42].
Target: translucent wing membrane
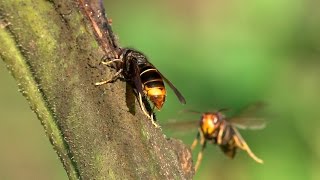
[175,90]
[183,126]
[136,79]
[252,109]
[190,111]
[248,118]
[248,123]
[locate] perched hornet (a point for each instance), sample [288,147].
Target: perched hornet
[215,128]
[145,78]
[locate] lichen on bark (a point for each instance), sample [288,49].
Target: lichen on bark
[53,50]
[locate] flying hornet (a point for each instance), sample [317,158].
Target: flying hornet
[214,127]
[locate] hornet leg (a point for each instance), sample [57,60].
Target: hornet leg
[114,77]
[203,142]
[146,112]
[110,80]
[243,145]
[195,141]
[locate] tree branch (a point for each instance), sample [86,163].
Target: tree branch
[53,49]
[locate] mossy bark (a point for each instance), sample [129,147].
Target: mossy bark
[54,51]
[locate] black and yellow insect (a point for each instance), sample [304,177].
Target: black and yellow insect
[145,78]
[215,128]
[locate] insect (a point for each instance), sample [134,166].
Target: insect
[145,78]
[215,128]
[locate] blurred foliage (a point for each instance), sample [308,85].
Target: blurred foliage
[218,54]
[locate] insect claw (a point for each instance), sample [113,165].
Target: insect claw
[154,122]
[110,62]
[194,143]
[110,80]
[100,83]
[199,159]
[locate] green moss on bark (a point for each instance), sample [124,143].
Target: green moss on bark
[53,53]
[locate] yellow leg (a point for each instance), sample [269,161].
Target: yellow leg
[243,145]
[114,77]
[194,143]
[110,62]
[154,123]
[152,120]
[200,154]
[146,112]
[199,159]
[142,106]
[110,80]
[219,139]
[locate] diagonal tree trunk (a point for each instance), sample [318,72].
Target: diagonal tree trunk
[53,49]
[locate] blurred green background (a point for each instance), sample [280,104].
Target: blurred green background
[218,54]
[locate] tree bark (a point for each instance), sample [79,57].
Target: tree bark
[54,51]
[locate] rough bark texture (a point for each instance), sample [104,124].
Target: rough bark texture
[54,49]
